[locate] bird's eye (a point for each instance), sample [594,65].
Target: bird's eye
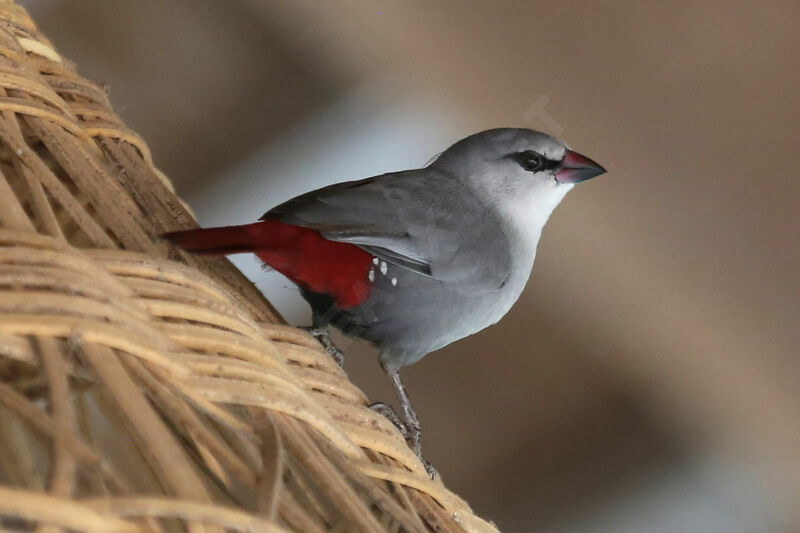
[530,160]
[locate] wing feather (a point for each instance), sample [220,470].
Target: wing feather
[413,219]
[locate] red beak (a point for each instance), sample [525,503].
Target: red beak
[575,168]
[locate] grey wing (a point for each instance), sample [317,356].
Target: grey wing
[415,219]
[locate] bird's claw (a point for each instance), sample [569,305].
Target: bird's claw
[429,468]
[387,411]
[411,432]
[324,337]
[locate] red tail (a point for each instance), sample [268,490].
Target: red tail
[301,254]
[218,241]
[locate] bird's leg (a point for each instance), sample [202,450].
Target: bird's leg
[324,337]
[412,421]
[410,427]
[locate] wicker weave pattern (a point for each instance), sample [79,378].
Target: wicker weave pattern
[144,392]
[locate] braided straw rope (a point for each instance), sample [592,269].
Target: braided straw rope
[146,392]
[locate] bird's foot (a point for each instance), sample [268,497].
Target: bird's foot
[324,338]
[387,411]
[411,432]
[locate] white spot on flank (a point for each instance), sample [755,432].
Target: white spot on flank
[384,267]
[394,281]
[371,274]
[374,260]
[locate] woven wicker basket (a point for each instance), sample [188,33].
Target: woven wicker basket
[146,392]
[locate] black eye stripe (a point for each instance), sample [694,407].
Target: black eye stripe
[533,161]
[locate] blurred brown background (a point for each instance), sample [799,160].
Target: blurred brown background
[649,378]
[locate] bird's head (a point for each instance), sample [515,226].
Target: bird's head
[525,172]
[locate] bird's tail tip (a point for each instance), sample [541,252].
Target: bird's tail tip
[213,241]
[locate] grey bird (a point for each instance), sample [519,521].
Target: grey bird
[414,260]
